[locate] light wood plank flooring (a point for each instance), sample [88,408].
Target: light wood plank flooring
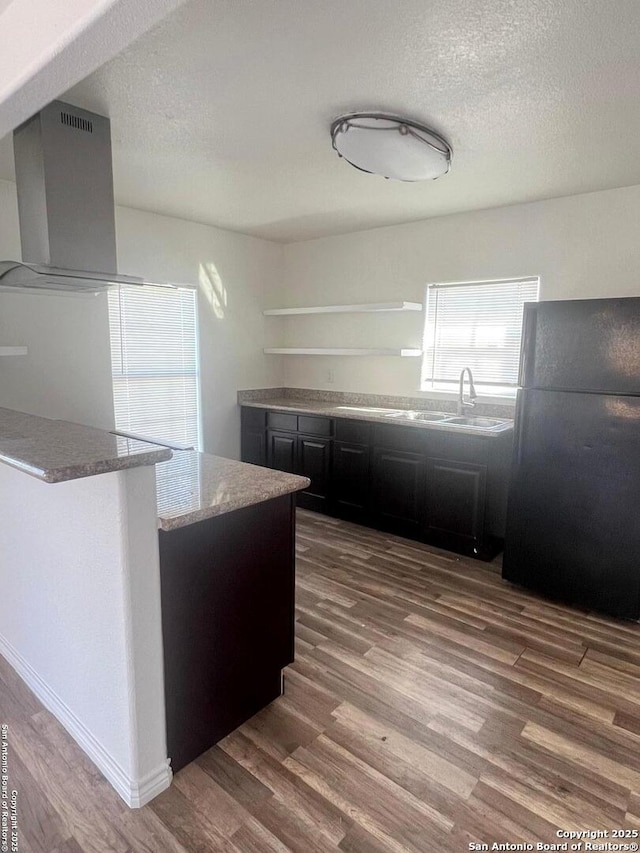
[431,705]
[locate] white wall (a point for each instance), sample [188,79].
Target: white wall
[81,619]
[67,373]
[582,247]
[233,273]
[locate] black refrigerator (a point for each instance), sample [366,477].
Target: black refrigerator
[573,521]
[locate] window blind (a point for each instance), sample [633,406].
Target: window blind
[476,325]
[154,362]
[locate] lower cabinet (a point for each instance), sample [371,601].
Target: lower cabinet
[398,490]
[227,587]
[350,480]
[314,462]
[434,486]
[455,503]
[282,451]
[309,456]
[253,439]
[254,448]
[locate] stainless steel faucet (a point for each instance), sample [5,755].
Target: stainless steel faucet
[463,404]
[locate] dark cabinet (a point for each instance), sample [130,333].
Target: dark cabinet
[456,503]
[397,486]
[436,486]
[350,480]
[313,461]
[253,442]
[254,448]
[281,451]
[308,455]
[227,586]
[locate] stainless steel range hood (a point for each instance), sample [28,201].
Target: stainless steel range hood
[64,179]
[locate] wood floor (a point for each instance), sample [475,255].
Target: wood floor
[431,705]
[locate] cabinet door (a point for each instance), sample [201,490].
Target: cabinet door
[350,478]
[281,451]
[398,489]
[456,502]
[253,447]
[314,462]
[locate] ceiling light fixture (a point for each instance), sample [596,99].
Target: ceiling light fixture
[391,146]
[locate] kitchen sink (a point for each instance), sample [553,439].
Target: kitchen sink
[430,417]
[443,420]
[479,423]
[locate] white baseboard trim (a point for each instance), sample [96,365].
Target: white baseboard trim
[154,783]
[135,792]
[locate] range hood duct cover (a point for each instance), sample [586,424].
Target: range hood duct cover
[64,179]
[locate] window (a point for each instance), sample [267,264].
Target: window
[154,362]
[475,324]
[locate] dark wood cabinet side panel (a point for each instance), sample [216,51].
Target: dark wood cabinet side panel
[498,477]
[227,588]
[253,419]
[253,447]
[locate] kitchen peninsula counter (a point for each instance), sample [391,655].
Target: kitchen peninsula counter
[227,571]
[57,451]
[189,625]
[196,486]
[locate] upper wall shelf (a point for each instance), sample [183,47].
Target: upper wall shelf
[13,350]
[403,353]
[367,308]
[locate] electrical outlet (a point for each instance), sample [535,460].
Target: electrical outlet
[331,377]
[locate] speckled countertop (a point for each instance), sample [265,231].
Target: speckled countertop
[56,451]
[194,486]
[365,413]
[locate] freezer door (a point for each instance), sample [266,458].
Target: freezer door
[573,523]
[582,345]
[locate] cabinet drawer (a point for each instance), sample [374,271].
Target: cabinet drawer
[464,448]
[280,420]
[395,437]
[354,432]
[314,426]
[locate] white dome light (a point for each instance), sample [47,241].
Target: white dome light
[391,146]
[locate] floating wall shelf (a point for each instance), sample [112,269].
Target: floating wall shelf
[13,350]
[368,308]
[403,353]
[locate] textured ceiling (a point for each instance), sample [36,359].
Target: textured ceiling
[46,46]
[221,114]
